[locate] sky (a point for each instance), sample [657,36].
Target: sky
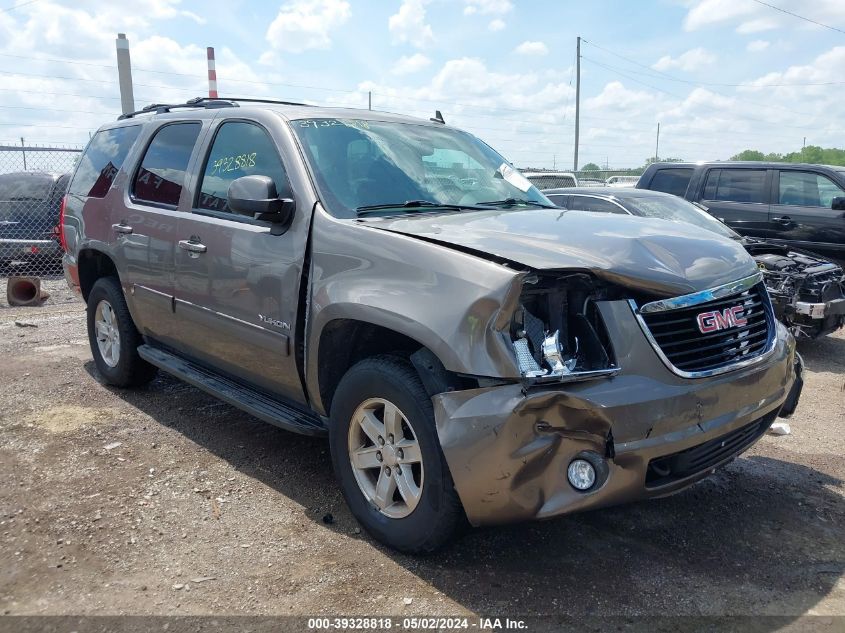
[719,76]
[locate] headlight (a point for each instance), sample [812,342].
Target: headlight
[557,332]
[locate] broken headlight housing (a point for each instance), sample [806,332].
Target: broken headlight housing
[557,331]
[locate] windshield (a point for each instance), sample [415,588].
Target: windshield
[678,210]
[362,164]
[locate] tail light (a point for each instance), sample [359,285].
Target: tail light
[61,226]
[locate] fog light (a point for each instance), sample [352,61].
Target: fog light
[581,474]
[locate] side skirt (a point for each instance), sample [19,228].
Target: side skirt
[262,406]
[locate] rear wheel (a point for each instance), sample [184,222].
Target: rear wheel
[114,338]
[387,456]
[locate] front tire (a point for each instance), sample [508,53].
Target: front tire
[114,338]
[387,456]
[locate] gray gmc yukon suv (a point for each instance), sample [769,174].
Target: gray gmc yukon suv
[471,351]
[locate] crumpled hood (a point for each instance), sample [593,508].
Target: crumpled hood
[654,256]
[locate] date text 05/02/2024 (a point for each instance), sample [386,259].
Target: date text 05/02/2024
[416,623]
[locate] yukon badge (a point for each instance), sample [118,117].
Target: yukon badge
[274,322]
[716,320]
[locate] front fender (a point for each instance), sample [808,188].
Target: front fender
[455,304]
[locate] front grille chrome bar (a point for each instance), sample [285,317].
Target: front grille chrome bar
[703,296]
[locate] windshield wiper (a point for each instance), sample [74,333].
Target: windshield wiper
[416,205]
[512,202]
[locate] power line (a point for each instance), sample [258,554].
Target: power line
[800,17]
[256,82]
[671,94]
[18,6]
[661,75]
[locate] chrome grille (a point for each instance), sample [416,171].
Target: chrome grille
[738,338]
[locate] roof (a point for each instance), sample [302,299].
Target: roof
[206,108]
[750,164]
[619,193]
[41,175]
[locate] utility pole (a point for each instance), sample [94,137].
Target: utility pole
[124,74]
[657,145]
[577,98]
[369,99]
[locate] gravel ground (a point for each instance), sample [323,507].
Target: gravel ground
[164,500]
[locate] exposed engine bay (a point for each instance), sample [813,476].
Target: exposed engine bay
[807,292]
[557,332]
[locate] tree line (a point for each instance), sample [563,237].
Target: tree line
[810,154]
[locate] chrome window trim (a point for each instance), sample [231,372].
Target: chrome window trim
[703,296]
[767,351]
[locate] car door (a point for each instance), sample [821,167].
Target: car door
[802,213]
[146,226]
[237,286]
[739,196]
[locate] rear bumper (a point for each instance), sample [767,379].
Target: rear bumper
[29,249]
[508,450]
[71,273]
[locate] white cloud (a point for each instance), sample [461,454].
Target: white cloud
[757,45]
[306,24]
[496,25]
[532,48]
[615,96]
[406,65]
[691,60]
[487,7]
[752,17]
[409,25]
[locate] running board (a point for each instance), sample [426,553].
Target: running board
[250,400]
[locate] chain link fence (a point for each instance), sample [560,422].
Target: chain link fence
[33,181]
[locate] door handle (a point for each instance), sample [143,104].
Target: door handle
[192,246]
[124,229]
[783,220]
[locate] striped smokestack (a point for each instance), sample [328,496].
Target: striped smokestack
[212,73]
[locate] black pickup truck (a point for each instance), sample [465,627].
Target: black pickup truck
[800,205]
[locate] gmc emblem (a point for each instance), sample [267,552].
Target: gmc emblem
[715,321]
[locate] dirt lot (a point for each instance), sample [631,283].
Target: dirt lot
[164,500]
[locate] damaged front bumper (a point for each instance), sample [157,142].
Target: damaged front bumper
[648,431]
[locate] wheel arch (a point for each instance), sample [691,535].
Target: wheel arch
[92,265]
[343,342]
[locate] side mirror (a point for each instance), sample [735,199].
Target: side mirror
[838,204]
[256,197]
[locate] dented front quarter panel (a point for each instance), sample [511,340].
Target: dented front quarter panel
[508,448]
[457,305]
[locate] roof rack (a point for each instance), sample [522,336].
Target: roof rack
[202,102]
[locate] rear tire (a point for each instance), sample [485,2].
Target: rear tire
[418,510]
[114,338]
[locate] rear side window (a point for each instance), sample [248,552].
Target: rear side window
[736,185]
[239,149]
[586,203]
[557,199]
[805,189]
[102,160]
[674,181]
[162,172]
